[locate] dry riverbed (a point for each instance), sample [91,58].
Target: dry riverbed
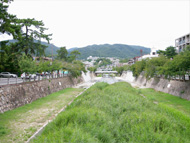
[20,124]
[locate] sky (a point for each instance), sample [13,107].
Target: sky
[76,23]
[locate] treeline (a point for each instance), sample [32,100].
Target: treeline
[26,32]
[168,65]
[29,65]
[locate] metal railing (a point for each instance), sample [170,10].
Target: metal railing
[19,80]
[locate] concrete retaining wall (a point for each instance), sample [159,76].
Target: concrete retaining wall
[174,87]
[13,96]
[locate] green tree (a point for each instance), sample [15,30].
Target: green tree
[153,65]
[119,70]
[56,65]
[62,53]
[75,68]
[8,21]
[9,57]
[27,64]
[102,62]
[92,69]
[32,30]
[179,66]
[138,67]
[187,48]
[43,66]
[161,52]
[75,53]
[170,52]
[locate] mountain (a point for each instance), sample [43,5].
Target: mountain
[103,50]
[115,50]
[48,50]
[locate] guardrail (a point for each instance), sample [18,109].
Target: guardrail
[15,81]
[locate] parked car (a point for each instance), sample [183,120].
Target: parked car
[7,74]
[26,75]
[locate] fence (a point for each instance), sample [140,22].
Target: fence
[19,80]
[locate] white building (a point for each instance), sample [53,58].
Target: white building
[152,54]
[182,42]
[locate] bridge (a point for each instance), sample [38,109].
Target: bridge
[106,72]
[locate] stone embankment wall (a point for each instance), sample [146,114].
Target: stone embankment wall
[13,96]
[174,87]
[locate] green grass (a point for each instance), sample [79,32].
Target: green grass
[116,114]
[19,124]
[178,103]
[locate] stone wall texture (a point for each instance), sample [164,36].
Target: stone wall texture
[174,87]
[13,96]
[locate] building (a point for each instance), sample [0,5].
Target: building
[182,42]
[152,54]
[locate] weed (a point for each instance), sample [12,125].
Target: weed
[116,113]
[182,92]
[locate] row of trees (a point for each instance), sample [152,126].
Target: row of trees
[166,65]
[29,65]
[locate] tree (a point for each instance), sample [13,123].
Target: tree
[170,52]
[119,70]
[102,62]
[75,53]
[153,65]
[56,65]
[138,67]
[27,64]
[161,52]
[62,53]
[32,30]
[43,66]
[8,21]
[75,68]
[92,69]
[187,48]
[9,57]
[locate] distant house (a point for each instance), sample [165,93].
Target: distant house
[182,42]
[92,58]
[131,61]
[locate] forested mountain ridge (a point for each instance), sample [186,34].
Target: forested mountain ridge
[108,50]
[103,50]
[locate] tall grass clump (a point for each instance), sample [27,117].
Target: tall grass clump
[114,114]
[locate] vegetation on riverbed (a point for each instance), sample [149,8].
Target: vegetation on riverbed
[118,113]
[20,124]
